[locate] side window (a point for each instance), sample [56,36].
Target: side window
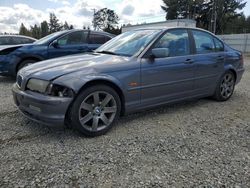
[203,42]
[27,40]
[74,38]
[176,41]
[218,45]
[97,39]
[16,40]
[20,40]
[4,40]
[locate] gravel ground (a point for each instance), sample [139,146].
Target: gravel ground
[202,143]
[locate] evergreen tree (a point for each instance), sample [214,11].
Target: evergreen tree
[66,26]
[171,8]
[44,29]
[247,24]
[54,24]
[35,31]
[205,11]
[23,30]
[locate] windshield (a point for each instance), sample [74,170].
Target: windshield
[48,37]
[128,43]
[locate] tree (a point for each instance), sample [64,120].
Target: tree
[105,19]
[205,12]
[171,8]
[35,31]
[248,24]
[227,10]
[66,26]
[71,27]
[23,30]
[54,24]
[44,29]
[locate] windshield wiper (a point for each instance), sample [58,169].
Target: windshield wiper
[106,52]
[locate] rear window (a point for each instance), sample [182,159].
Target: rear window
[74,38]
[98,39]
[218,45]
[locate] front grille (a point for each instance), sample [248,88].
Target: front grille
[19,80]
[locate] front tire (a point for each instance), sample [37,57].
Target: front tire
[225,87]
[95,110]
[25,63]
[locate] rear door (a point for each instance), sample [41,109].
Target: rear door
[168,78]
[209,60]
[71,43]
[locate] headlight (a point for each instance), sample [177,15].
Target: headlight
[37,85]
[59,91]
[48,88]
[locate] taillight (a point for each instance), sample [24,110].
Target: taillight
[241,60]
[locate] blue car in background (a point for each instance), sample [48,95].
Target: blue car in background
[58,44]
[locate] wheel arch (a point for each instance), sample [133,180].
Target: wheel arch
[101,81]
[232,69]
[110,84]
[38,58]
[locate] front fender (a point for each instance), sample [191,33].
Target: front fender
[76,81]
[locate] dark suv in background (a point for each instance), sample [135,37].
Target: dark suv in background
[57,44]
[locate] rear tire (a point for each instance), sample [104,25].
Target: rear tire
[225,87]
[95,110]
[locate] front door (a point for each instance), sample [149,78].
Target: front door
[168,78]
[72,43]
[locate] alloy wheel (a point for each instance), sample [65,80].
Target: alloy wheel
[97,111]
[227,85]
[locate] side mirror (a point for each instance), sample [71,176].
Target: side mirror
[54,44]
[160,52]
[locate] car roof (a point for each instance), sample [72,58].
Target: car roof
[167,28]
[23,36]
[92,31]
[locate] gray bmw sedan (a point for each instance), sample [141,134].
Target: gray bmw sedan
[136,70]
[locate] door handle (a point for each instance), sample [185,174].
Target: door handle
[220,58]
[189,61]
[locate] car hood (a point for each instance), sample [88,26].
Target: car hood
[6,49]
[54,68]
[2,47]
[9,47]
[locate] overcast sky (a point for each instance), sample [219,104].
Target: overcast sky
[78,12]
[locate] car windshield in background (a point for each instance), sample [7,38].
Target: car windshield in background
[48,38]
[129,43]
